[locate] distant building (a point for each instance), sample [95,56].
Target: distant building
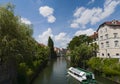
[57,50]
[94,37]
[109,39]
[60,52]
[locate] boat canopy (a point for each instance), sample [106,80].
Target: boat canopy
[74,70]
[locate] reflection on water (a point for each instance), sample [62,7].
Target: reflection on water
[56,73]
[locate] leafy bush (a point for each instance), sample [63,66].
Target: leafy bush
[109,67]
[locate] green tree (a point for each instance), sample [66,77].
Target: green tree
[80,55]
[80,50]
[94,48]
[20,55]
[52,53]
[78,40]
[108,67]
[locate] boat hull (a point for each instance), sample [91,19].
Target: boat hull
[77,78]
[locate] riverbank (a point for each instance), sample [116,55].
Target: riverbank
[107,68]
[39,70]
[56,73]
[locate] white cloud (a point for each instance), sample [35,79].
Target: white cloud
[84,16]
[60,40]
[47,12]
[88,32]
[25,20]
[51,19]
[92,1]
[43,38]
[74,25]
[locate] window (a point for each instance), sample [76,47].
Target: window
[102,45]
[102,54]
[117,54]
[116,43]
[108,54]
[106,36]
[114,22]
[101,37]
[107,44]
[100,31]
[105,29]
[115,35]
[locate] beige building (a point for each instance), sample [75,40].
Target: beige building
[109,39]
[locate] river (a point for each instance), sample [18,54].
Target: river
[56,73]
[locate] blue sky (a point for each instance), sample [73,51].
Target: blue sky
[64,19]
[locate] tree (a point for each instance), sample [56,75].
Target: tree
[94,48]
[78,40]
[8,35]
[51,48]
[80,50]
[80,55]
[20,55]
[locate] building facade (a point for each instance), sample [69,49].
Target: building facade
[109,39]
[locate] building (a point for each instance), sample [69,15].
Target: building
[109,39]
[94,37]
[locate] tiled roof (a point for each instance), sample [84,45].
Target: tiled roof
[113,22]
[94,36]
[110,23]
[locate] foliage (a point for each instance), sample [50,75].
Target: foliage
[18,49]
[52,53]
[78,40]
[109,67]
[80,50]
[94,48]
[80,55]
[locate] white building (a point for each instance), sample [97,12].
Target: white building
[109,39]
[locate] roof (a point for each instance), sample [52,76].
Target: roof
[87,72]
[110,23]
[94,36]
[80,71]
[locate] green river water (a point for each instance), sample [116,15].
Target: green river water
[56,73]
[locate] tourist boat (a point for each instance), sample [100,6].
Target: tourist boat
[85,77]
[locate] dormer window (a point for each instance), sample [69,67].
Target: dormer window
[114,22]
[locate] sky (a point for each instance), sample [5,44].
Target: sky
[64,19]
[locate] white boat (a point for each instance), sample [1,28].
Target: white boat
[81,75]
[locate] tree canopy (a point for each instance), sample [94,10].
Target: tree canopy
[80,50]
[52,53]
[20,55]
[78,40]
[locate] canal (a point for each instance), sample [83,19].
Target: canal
[56,73]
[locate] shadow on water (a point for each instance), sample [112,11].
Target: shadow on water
[56,73]
[101,80]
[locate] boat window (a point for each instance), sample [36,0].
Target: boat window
[70,71]
[89,76]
